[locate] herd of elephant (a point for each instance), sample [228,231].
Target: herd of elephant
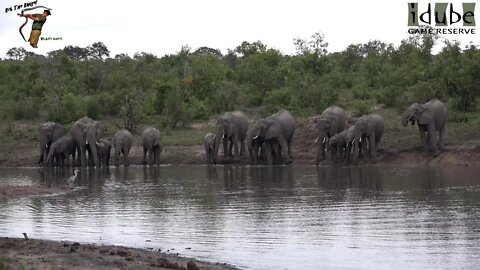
[270,139]
[86,143]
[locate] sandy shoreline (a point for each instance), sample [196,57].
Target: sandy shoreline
[18,253]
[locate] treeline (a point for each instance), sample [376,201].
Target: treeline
[195,84]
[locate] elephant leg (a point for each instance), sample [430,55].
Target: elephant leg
[242,148]
[423,139]
[83,154]
[372,147]
[230,147]
[284,147]
[207,153]
[144,161]
[126,157]
[441,146]
[433,141]
[289,143]
[117,157]
[225,148]
[333,153]
[235,144]
[318,155]
[151,156]
[268,152]
[157,156]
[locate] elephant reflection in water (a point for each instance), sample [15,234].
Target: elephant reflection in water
[367,177]
[234,177]
[151,173]
[363,177]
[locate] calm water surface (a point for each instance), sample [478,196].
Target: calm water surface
[293,217]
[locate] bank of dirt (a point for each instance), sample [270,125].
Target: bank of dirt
[400,146]
[18,253]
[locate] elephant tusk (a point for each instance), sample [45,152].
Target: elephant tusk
[316,139]
[86,142]
[360,140]
[254,138]
[324,139]
[46,146]
[97,143]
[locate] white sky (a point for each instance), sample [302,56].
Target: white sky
[162,27]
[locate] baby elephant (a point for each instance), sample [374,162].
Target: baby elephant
[210,147]
[122,142]
[341,144]
[152,144]
[60,151]
[103,150]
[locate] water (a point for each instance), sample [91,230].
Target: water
[287,217]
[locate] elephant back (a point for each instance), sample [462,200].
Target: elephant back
[123,136]
[151,135]
[336,113]
[84,123]
[60,145]
[286,121]
[440,113]
[51,131]
[242,121]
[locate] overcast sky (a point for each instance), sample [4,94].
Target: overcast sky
[162,27]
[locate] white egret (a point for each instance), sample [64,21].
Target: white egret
[72,178]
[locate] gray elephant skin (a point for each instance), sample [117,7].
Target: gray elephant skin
[232,128]
[48,133]
[104,148]
[370,128]
[86,133]
[279,127]
[60,151]
[258,147]
[122,142]
[331,121]
[431,118]
[209,143]
[341,144]
[152,145]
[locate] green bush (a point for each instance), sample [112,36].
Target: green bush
[361,107]
[26,108]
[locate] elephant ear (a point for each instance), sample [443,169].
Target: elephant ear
[426,117]
[271,130]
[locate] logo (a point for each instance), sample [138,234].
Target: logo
[443,18]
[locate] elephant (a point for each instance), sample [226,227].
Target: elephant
[332,121]
[368,129]
[60,150]
[86,133]
[232,128]
[103,148]
[430,117]
[152,145]
[48,133]
[209,142]
[340,144]
[254,145]
[279,127]
[122,142]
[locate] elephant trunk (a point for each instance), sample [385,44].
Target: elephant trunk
[49,156]
[357,144]
[92,141]
[405,118]
[218,138]
[43,152]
